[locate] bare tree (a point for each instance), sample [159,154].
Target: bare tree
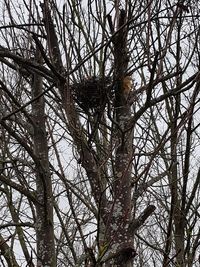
[99,133]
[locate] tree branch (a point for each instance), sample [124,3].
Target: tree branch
[135,224]
[20,188]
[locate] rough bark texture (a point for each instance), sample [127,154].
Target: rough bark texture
[7,253]
[121,249]
[44,224]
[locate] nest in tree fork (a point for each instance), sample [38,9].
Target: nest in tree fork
[91,93]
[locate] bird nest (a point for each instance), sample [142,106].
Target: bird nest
[91,93]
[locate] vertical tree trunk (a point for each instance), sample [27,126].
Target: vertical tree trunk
[121,241]
[44,225]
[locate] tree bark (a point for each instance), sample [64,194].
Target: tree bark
[121,252]
[44,224]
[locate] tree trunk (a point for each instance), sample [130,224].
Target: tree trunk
[44,224]
[121,249]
